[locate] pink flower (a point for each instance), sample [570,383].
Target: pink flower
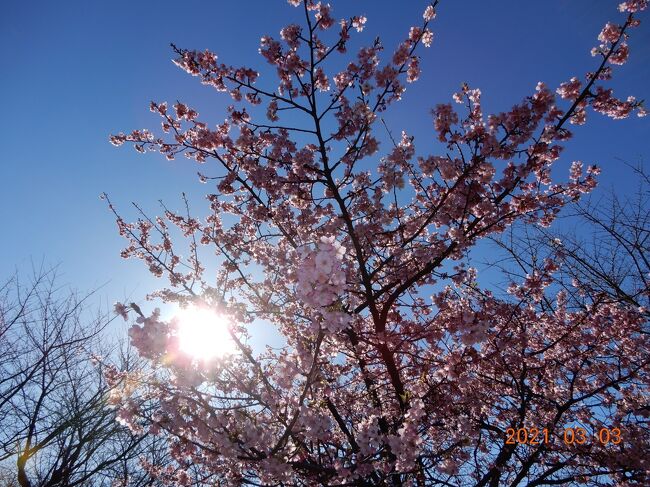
[633,6]
[445,117]
[359,23]
[570,90]
[576,170]
[323,17]
[321,274]
[401,55]
[429,13]
[610,33]
[413,72]
[321,82]
[427,38]
[620,55]
[121,310]
[291,35]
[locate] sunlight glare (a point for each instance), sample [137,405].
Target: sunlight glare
[203,334]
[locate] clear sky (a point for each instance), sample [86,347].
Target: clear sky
[74,72]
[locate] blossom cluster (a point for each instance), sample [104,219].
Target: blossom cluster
[320,275]
[321,281]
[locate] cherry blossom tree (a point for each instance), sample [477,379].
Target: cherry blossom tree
[396,368]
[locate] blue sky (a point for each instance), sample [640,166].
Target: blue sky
[74,72]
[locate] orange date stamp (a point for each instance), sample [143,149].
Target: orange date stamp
[569,436]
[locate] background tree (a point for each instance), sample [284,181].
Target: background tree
[601,251]
[397,368]
[58,426]
[603,244]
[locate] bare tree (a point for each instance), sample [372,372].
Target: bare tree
[603,244]
[616,260]
[58,426]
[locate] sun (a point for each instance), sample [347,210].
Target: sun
[203,333]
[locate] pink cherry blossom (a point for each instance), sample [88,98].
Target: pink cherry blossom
[429,13]
[121,310]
